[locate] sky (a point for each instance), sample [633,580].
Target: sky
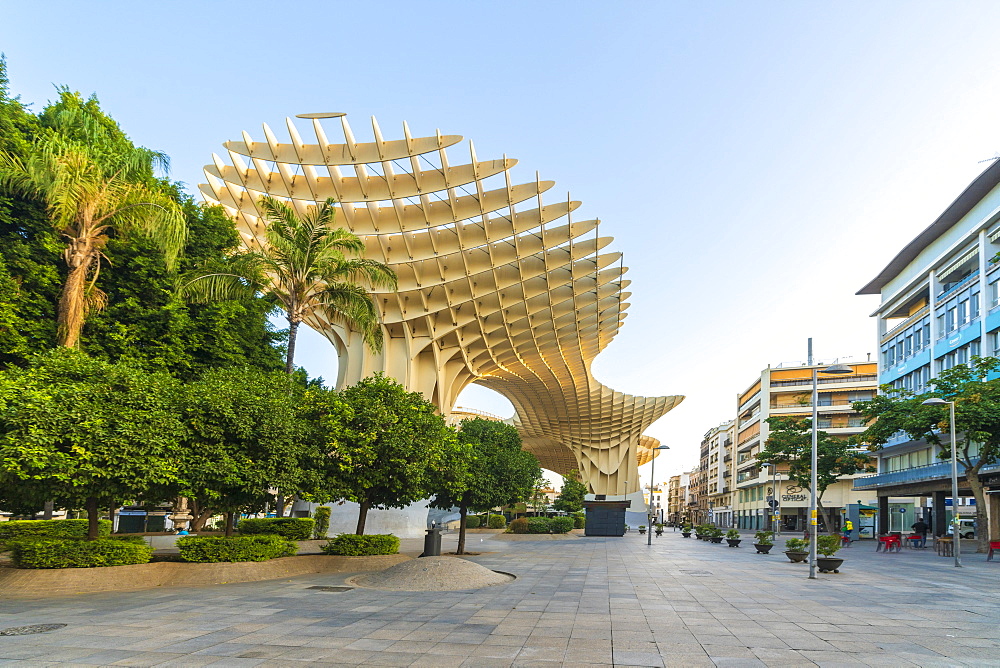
[756,162]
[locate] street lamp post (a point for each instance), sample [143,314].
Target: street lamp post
[813,502]
[956,525]
[652,481]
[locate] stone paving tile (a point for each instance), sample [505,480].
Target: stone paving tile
[580,602]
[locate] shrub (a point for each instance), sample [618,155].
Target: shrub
[322,517]
[796,545]
[472,522]
[496,522]
[732,534]
[16,529]
[828,545]
[77,553]
[293,528]
[538,525]
[213,549]
[520,525]
[764,537]
[561,524]
[579,522]
[352,545]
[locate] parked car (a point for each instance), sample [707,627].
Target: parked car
[967,530]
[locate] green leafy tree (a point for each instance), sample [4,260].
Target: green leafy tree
[977,422]
[307,264]
[93,183]
[502,473]
[571,495]
[790,444]
[89,433]
[246,437]
[388,448]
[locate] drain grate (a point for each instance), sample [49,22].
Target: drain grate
[28,630]
[695,574]
[323,588]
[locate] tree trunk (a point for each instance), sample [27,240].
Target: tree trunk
[229,524]
[982,522]
[463,511]
[47,509]
[293,331]
[199,516]
[362,516]
[72,300]
[827,516]
[92,517]
[279,502]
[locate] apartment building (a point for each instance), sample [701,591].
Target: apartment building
[786,391]
[716,462]
[940,306]
[674,500]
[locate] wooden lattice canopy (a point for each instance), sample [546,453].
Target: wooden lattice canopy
[496,286]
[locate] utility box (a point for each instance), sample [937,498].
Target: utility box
[605,518]
[432,543]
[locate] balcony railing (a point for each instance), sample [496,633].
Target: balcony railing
[955,286]
[860,378]
[808,404]
[935,471]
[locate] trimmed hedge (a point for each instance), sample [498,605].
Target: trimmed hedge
[496,522]
[17,529]
[293,528]
[473,522]
[520,525]
[579,522]
[322,517]
[352,545]
[550,524]
[76,553]
[214,549]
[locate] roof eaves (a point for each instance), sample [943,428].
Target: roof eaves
[973,193]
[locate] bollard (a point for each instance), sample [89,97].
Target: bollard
[432,543]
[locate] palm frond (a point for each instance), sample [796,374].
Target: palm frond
[351,305]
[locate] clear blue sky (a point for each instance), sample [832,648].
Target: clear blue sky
[757,162]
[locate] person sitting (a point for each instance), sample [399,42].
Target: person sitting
[920,528]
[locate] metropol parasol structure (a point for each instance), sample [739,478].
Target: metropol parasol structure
[498,286]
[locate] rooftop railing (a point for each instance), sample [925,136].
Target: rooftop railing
[915,474]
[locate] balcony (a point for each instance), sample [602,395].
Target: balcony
[860,378]
[727,458]
[938,471]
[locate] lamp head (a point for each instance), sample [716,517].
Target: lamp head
[837,369]
[934,401]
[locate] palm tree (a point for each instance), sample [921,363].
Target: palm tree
[305,264]
[91,193]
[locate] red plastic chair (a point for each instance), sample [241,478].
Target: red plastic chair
[888,544]
[994,545]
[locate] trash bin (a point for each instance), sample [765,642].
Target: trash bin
[432,543]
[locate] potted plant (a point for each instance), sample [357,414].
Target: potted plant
[715,534]
[797,550]
[827,547]
[733,538]
[659,529]
[642,528]
[765,541]
[686,530]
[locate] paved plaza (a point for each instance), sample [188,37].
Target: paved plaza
[576,602]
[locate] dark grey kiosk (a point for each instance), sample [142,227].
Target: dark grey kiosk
[605,518]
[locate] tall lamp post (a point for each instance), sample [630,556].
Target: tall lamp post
[836,369]
[956,525]
[652,481]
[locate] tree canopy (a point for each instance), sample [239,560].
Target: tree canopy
[90,433]
[977,421]
[501,473]
[790,444]
[388,448]
[570,499]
